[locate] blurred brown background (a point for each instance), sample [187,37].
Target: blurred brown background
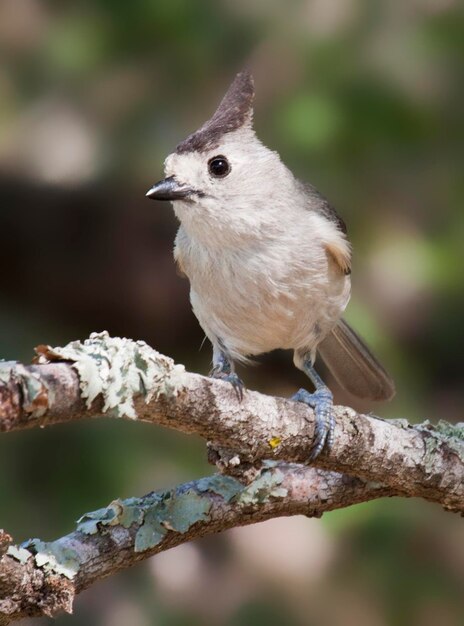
[365,99]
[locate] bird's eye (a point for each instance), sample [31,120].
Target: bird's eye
[218,166]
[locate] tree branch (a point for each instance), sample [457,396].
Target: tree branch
[42,578]
[121,378]
[423,460]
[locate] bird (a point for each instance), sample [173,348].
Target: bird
[268,260]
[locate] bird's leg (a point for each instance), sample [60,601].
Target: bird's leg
[223,368]
[321,400]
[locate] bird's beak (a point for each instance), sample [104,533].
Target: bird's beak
[169,189]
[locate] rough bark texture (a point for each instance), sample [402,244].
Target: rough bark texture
[103,545]
[422,460]
[370,458]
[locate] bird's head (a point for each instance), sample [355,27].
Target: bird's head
[222,177]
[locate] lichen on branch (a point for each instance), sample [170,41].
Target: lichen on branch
[124,378]
[258,439]
[42,578]
[118,369]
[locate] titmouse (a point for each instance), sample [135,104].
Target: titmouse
[267,257]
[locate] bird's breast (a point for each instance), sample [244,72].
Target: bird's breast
[264,297]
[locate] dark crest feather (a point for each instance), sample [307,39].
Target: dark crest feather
[232,113]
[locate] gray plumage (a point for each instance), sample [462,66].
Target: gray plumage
[354,366]
[322,205]
[267,256]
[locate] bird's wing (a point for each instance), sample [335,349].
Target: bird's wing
[336,244]
[318,203]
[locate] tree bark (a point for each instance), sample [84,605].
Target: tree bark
[43,578]
[258,440]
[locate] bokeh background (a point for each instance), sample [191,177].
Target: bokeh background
[364,99]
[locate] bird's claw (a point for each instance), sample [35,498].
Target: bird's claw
[322,402]
[233,379]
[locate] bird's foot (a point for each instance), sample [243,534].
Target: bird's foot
[229,377]
[322,403]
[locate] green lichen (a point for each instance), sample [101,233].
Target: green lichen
[176,512]
[54,557]
[130,515]
[443,429]
[225,486]
[158,513]
[265,487]
[89,523]
[119,369]
[19,553]
[151,533]
[441,434]
[155,515]
[451,430]
[6,370]
[119,512]
[185,509]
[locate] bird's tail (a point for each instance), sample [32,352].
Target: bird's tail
[354,366]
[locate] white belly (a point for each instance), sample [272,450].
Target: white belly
[252,306]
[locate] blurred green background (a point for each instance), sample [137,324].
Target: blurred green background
[365,100]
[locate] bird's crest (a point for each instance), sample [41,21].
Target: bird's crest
[234,111]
